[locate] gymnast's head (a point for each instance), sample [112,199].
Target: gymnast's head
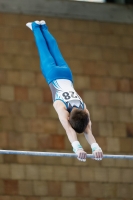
[78,120]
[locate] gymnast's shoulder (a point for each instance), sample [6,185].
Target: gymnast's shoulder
[59,106]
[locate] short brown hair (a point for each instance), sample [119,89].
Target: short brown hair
[78,119]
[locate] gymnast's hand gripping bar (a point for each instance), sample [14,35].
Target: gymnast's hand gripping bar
[55,154]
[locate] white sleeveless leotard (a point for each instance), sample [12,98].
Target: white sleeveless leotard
[63,90]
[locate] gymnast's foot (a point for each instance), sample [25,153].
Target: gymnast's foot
[29,24]
[42,22]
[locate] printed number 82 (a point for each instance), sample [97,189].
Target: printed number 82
[68,95]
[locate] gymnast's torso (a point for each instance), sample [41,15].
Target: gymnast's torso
[63,90]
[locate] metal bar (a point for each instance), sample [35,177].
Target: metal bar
[55,154]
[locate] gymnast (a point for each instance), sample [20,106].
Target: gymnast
[71,110]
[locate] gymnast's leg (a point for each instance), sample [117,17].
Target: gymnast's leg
[52,45]
[47,61]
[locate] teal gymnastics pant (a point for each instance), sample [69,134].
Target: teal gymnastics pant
[52,63]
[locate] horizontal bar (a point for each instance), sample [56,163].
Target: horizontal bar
[55,154]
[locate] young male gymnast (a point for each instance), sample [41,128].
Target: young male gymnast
[71,110]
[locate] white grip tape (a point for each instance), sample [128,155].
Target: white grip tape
[76,146]
[95,146]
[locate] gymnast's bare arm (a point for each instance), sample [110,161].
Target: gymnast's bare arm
[63,115]
[98,154]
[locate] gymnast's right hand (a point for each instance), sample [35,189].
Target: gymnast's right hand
[81,155]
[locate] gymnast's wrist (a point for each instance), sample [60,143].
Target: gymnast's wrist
[76,146]
[95,146]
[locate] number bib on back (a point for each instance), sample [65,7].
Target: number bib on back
[70,95]
[62,89]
